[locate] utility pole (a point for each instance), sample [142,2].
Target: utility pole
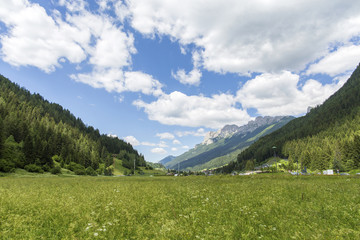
[275,158]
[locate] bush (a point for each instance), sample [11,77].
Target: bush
[90,171]
[109,171]
[80,171]
[56,170]
[101,169]
[72,166]
[6,166]
[34,168]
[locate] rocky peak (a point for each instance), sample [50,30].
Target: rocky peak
[229,130]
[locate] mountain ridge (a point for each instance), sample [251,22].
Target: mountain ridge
[226,140]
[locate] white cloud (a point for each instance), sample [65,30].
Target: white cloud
[142,82]
[114,79]
[45,41]
[165,135]
[132,140]
[113,48]
[279,94]
[198,133]
[175,141]
[192,78]
[149,144]
[174,149]
[135,142]
[121,10]
[163,144]
[73,5]
[37,39]
[112,135]
[344,60]
[250,36]
[194,111]
[158,151]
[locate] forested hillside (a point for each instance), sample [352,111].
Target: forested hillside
[38,135]
[224,150]
[327,137]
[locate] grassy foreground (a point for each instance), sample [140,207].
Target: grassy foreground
[197,207]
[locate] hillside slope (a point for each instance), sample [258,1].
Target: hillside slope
[327,134]
[224,144]
[36,132]
[166,159]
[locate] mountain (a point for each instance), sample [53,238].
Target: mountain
[166,159]
[326,137]
[222,146]
[38,136]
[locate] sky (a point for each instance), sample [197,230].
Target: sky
[160,74]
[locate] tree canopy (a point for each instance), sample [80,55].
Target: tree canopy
[33,131]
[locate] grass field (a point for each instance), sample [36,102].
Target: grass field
[196,207]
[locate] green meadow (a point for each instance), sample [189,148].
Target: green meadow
[194,207]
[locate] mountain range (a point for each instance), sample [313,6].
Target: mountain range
[221,147]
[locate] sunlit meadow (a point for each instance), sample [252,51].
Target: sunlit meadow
[196,207]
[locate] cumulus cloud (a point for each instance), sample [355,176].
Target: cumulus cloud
[165,135]
[114,79]
[344,60]
[279,94]
[79,37]
[250,36]
[177,142]
[25,45]
[132,140]
[177,108]
[192,78]
[158,151]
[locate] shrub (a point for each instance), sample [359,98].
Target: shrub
[80,171]
[109,171]
[90,171]
[74,166]
[34,168]
[56,170]
[6,166]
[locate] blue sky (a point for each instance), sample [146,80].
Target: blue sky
[160,74]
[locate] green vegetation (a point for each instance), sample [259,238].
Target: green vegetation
[195,207]
[327,137]
[43,137]
[216,162]
[222,151]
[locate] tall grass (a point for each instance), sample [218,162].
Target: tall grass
[196,207]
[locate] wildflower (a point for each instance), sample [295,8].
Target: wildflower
[96,234]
